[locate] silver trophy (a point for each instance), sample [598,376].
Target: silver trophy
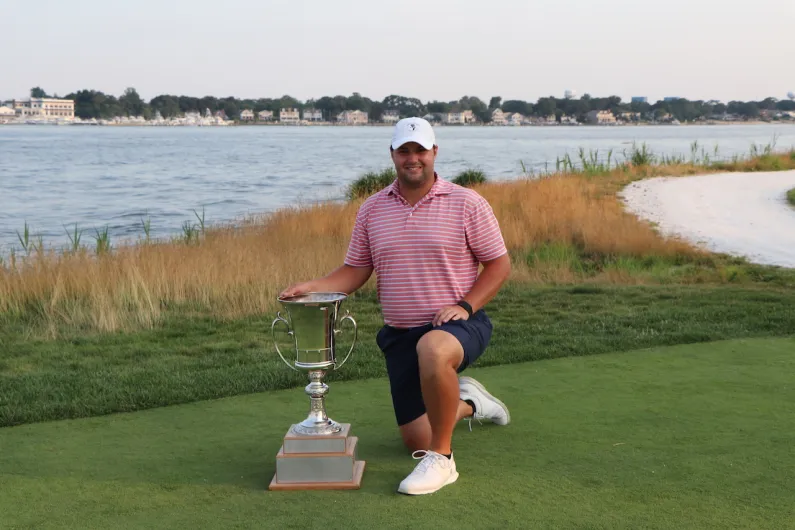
[317,453]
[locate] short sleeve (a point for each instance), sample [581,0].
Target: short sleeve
[359,247]
[483,231]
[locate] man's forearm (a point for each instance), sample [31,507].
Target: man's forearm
[344,279]
[489,282]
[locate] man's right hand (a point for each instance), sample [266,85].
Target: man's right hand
[296,290]
[344,279]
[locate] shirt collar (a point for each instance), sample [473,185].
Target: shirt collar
[440,187]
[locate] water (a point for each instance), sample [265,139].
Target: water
[56,177]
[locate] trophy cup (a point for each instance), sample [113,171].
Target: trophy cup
[317,453]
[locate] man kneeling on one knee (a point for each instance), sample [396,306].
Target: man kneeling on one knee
[425,238]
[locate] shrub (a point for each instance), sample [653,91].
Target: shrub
[470,177]
[370,183]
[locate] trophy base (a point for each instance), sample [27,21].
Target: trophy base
[313,462]
[353,484]
[310,428]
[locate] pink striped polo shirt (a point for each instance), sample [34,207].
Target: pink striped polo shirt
[425,256]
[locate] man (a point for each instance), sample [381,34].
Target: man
[425,239]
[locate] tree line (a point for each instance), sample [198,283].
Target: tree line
[95,104]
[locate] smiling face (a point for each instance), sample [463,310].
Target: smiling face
[414,164]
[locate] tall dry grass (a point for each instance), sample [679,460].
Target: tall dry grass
[232,271]
[569,211]
[238,270]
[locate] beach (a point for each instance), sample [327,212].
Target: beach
[741,214]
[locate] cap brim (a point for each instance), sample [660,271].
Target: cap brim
[401,141]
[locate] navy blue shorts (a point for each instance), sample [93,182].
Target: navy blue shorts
[402,364]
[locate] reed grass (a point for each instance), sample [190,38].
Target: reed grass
[24,239]
[567,227]
[103,241]
[640,156]
[146,224]
[74,237]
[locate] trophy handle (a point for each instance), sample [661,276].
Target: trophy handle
[280,318]
[355,334]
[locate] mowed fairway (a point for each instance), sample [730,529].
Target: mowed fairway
[692,436]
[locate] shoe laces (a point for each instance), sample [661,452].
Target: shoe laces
[476,418]
[427,459]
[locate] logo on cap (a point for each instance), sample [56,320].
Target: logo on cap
[413,126]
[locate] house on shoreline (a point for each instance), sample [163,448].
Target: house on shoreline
[313,115]
[352,117]
[391,116]
[289,116]
[6,114]
[45,108]
[463,117]
[601,117]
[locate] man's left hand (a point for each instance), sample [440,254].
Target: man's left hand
[451,312]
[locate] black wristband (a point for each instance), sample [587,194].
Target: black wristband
[466,306]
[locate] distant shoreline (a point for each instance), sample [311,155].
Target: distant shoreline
[641,124]
[329,124]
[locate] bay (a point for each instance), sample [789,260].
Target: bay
[54,178]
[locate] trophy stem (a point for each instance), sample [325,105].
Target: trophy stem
[317,422]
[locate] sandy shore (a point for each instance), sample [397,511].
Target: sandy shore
[743,214]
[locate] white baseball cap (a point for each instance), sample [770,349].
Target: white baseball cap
[413,130]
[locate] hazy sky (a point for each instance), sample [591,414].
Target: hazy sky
[432,49]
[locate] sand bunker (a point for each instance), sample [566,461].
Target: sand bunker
[743,214]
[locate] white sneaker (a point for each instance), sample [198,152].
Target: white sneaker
[432,473]
[486,406]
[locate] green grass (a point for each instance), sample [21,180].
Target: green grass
[370,183]
[191,358]
[640,156]
[660,270]
[696,436]
[470,177]
[791,194]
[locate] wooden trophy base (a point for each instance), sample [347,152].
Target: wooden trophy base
[318,462]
